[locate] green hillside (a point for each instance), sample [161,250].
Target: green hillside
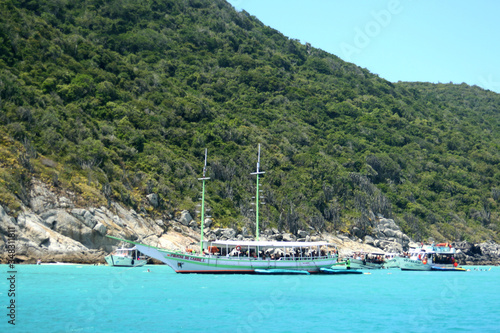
[115,100]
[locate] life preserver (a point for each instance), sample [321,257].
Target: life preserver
[424,261]
[238,248]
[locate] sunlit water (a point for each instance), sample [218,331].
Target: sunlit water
[81,298]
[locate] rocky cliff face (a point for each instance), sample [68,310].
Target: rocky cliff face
[388,236]
[487,253]
[53,230]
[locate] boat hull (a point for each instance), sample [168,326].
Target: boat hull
[407,264]
[362,264]
[187,263]
[280,272]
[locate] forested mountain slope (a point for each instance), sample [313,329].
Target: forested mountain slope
[115,100]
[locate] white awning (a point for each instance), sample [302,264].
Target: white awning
[268,243]
[127,249]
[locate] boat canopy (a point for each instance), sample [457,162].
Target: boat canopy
[127,249]
[269,243]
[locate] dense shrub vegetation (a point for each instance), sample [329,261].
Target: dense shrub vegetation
[115,100]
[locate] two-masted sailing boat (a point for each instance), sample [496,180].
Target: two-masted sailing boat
[245,257]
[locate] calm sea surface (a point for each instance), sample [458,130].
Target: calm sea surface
[81,298]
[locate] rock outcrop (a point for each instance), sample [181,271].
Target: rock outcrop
[487,253]
[53,230]
[388,236]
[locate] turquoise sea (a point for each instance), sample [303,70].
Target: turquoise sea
[83,298]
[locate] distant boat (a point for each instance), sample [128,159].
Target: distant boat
[420,259]
[366,260]
[245,257]
[439,257]
[443,258]
[126,257]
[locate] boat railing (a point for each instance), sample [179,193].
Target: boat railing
[293,258]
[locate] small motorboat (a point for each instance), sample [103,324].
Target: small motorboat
[126,257]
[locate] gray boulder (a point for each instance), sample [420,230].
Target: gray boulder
[228,233]
[84,216]
[153,199]
[185,218]
[369,240]
[101,229]
[388,236]
[302,234]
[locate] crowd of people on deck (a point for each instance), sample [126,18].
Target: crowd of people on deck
[369,257]
[444,260]
[305,253]
[269,254]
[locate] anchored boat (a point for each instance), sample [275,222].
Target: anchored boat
[420,259]
[245,257]
[443,258]
[126,257]
[439,257]
[366,260]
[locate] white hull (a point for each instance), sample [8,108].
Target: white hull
[187,263]
[407,264]
[124,261]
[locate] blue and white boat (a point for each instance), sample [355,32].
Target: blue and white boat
[126,257]
[439,257]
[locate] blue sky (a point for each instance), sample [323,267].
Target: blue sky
[400,40]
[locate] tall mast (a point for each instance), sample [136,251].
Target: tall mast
[257,173]
[203,200]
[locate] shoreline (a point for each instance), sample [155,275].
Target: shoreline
[78,236]
[344,244]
